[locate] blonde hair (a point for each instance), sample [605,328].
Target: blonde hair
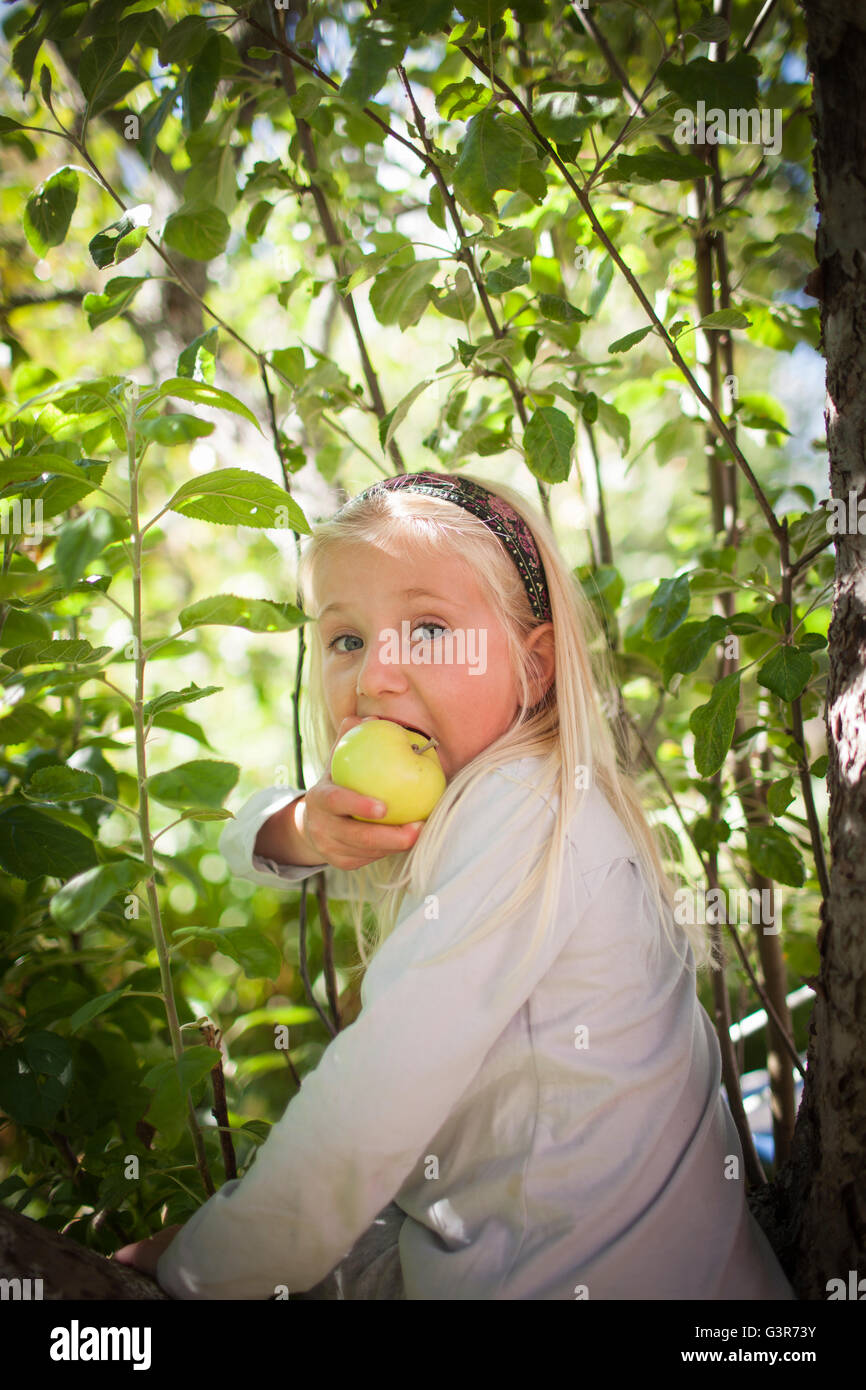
[568,726]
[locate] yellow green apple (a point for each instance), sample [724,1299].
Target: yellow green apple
[381,759]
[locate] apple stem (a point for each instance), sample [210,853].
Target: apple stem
[422,748]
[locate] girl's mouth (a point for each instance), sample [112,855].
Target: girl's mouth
[413,729]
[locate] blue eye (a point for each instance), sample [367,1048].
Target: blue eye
[441,626]
[339,638]
[332,645]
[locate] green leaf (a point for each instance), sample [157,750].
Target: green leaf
[63,784]
[711,29]
[199,88]
[787,672]
[255,614]
[507,277]
[94,1007]
[173,699]
[713,725]
[725,319]
[395,417]
[58,493]
[115,299]
[121,239]
[198,230]
[733,83]
[204,782]
[669,607]
[400,294]
[562,116]
[490,159]
[615,424]
[775,855]
[24,722]
[47,1053]
[688,645]
[172,1082]
[255,954]
[559,310]
[198,361]
[603,585]
[379,46]
[630,340]
[49,210]
[68,651]
[203,393]
[26,1098]
[173,429]
[548,441]
[236,497]
[653,165]
[780,795]
[183,40]
[79,900]
[33,844]
[819,767]
[81,540]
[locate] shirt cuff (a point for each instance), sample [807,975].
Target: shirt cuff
[237,842]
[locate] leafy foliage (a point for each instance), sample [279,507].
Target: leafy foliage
[510,238]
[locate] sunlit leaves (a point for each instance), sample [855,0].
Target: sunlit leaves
[254,614]
[713,725]
[400,294]
[490,157]
[202,393]
[775,855]
[205,782]
[379,46]
[236,497]
[255,954]
[669,606]
[49,210]
[630,340]
[547,443]
[173,699]
[198,230]
[116,297]
[787,672]
[122,238]
[82,539]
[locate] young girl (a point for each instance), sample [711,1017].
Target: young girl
[528,1105]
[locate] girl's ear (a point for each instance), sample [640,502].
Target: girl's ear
[541,642]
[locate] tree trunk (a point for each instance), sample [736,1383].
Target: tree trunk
[815,1212]
[29,1251]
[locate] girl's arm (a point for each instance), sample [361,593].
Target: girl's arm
[351,1137]
[256,844]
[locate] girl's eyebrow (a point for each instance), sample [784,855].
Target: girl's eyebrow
[406,593]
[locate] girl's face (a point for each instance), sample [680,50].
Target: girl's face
[374,634]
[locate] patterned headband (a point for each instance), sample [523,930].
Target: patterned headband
[498,517]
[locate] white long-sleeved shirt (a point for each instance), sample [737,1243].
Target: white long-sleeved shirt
[532,1160]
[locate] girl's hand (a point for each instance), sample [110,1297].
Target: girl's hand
[325,822]
[143,1254]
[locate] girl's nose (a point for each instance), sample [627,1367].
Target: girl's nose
[381,668]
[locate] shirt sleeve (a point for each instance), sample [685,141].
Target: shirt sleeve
[238,840]
[384,1086]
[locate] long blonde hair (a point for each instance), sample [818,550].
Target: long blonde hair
[568,727]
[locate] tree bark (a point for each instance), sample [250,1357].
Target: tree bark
[67,1270]
[815,1212]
